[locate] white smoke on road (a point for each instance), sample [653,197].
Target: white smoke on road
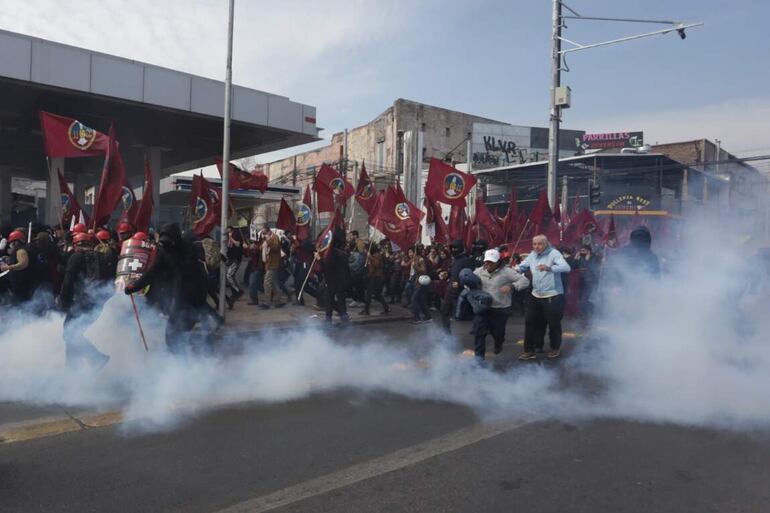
[688,348]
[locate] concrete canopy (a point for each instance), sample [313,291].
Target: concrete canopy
[174,117]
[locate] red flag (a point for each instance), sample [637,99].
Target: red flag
[486,221]
[611,235]
[331,189]
[366,194]
[541,214]
[511,218]
[70,206]
[403,234]
[286,220]
[446,184]
[557,211]
[433,216]
[68,137]
[143,215]
[581,225]
[304,216]
[471,234]
[457,222]
[128,200]
[395,208]
[205,205]
[111,185]
[325,241]
[240,179]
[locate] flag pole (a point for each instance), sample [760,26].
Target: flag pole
[521,235]
[226,160]
[138,322]
[307,277]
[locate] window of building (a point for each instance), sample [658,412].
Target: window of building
[448,132]
[422,127]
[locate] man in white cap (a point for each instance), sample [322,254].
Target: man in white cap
[498,281]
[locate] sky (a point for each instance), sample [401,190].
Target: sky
[351,59]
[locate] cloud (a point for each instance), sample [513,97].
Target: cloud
[740,124]
[277,47]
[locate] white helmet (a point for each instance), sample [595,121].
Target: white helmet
[424,280]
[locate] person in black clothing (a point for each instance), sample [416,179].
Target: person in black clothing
[179,277]
[336,271]
[20,267]
[460,260]
[83,294]
[636,258]
[588,266]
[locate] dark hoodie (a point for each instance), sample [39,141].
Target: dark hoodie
[335,267]
[637,257]
[177,278]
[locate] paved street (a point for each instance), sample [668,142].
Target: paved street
[351,451]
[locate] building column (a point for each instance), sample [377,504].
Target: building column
[6,199]
[154,158]
[52,192]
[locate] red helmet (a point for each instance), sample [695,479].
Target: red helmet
[16,235]
[82,237]
[79,228]
[125,227]
[139,236]
[103,235]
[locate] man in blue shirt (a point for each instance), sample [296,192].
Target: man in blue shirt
[545,307]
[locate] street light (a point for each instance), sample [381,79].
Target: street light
[557,55]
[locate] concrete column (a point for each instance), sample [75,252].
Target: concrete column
[52,192]
[6,200]
[154,157]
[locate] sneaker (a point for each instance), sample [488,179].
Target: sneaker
[363,312]
[426,321]
[498,348]
[527,356]
[279,305]
[264,306]
[554,354]
[415,321]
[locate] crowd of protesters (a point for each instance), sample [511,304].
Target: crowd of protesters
[51,268]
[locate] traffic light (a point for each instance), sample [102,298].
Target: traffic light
[595,193]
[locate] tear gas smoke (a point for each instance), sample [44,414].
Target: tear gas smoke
[686,348]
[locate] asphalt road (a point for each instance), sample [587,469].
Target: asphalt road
[349,451]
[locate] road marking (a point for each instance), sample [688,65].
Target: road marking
[395,461]
[20,432]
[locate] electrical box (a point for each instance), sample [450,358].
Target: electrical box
[562,97]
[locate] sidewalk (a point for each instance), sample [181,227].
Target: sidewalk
[248,319]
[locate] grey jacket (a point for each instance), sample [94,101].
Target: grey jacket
[499,278]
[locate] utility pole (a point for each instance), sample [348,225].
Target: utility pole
[226,161]
[557,24]
[553,133]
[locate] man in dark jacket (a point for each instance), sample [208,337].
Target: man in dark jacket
[336,271]
[460,260]
[177,280]
[83,293]
[634,259]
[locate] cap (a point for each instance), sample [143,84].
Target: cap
[103,235]
[125,228]
[492,255]
[79,228]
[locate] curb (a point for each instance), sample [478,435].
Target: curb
[52,426]
[319,323]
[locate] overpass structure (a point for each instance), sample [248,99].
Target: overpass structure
[173,118]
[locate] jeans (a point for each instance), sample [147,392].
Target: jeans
[254,286]
[374,290]
[492,322]
[272,286]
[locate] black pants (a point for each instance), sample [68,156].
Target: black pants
[492,322]
[420,308]
[335,300]
[543,313]
[448,307]
[374,290]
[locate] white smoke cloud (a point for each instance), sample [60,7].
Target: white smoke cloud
[687,348]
